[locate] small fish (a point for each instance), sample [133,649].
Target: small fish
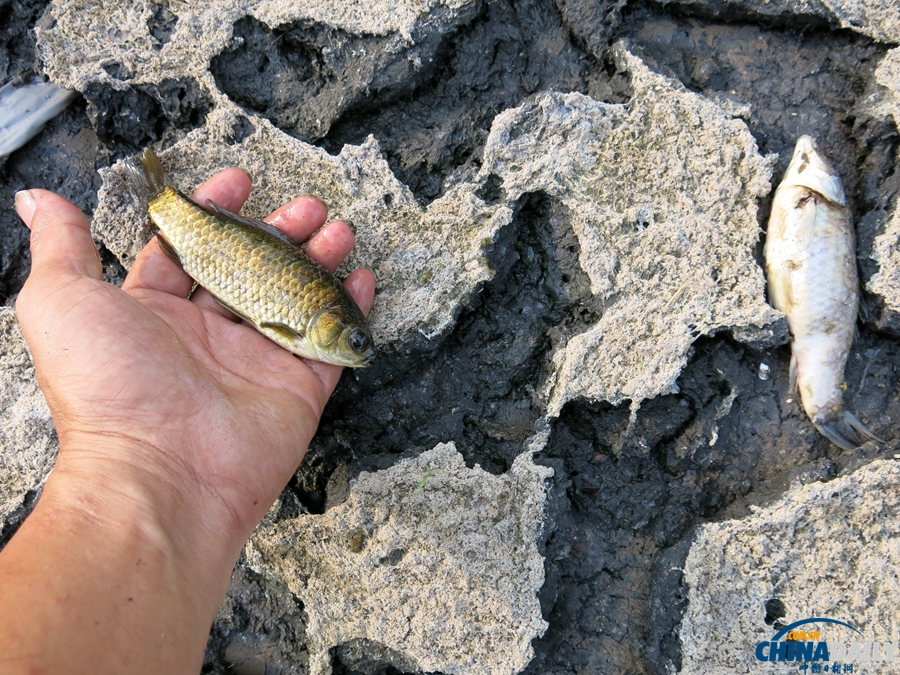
[811,270]
[257,272]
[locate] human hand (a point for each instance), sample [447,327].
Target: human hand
[167,406]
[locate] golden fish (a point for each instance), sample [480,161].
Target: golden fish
[811,271]
[257,272]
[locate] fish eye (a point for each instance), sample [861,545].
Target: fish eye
[357,340]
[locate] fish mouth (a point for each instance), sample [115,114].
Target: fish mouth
[805,144]
[811,170]
[363,360]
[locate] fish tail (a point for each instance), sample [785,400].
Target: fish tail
[147,180]
[846,431]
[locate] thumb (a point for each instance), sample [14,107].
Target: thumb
[61,243]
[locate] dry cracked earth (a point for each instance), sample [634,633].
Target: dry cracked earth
[627,494]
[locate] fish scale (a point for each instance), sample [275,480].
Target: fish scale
[825,290]
[212,253]
[258,274]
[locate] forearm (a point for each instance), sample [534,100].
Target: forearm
[97,581]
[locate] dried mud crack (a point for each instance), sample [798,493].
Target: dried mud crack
[638,491]
[477,387]
[440,120]
[631,490]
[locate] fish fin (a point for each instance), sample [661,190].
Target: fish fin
[788,288]
[840,433]
[148,180]
[846,432]
[283,330]
[250,222]
[166,246]
[861,428]
[793,374]
[806,222]
[233,310]
[866,312]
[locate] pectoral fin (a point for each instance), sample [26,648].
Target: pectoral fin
[806,222]
[788,286]
[284,331]
[780,288]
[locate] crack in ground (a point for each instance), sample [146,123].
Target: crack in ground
[479,386]
[634,509]
[508,52]
[632,504]
[835,69]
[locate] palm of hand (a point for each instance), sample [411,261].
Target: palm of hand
[198,390]
[211,402]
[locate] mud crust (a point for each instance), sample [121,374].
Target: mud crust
[628,493]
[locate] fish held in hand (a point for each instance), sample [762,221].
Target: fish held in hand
[257,272]
[811,271]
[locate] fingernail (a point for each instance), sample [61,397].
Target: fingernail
[25,206]
[314,199]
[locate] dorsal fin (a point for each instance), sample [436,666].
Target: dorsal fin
[251,222]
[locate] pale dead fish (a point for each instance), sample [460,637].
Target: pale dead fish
[811,270]
[25,108]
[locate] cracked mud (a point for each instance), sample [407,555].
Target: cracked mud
[628,492]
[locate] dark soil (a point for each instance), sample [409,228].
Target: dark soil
[625,500]
[17,18]
[510,50]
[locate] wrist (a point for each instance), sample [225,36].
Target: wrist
[121,483]
[101,579]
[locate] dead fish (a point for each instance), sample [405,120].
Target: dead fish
[26,108]
[256,271]
[811,271]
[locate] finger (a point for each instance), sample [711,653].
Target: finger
[331,245]
[300,217]
[60,236]
[153,270]
[361,286]
[229,189]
